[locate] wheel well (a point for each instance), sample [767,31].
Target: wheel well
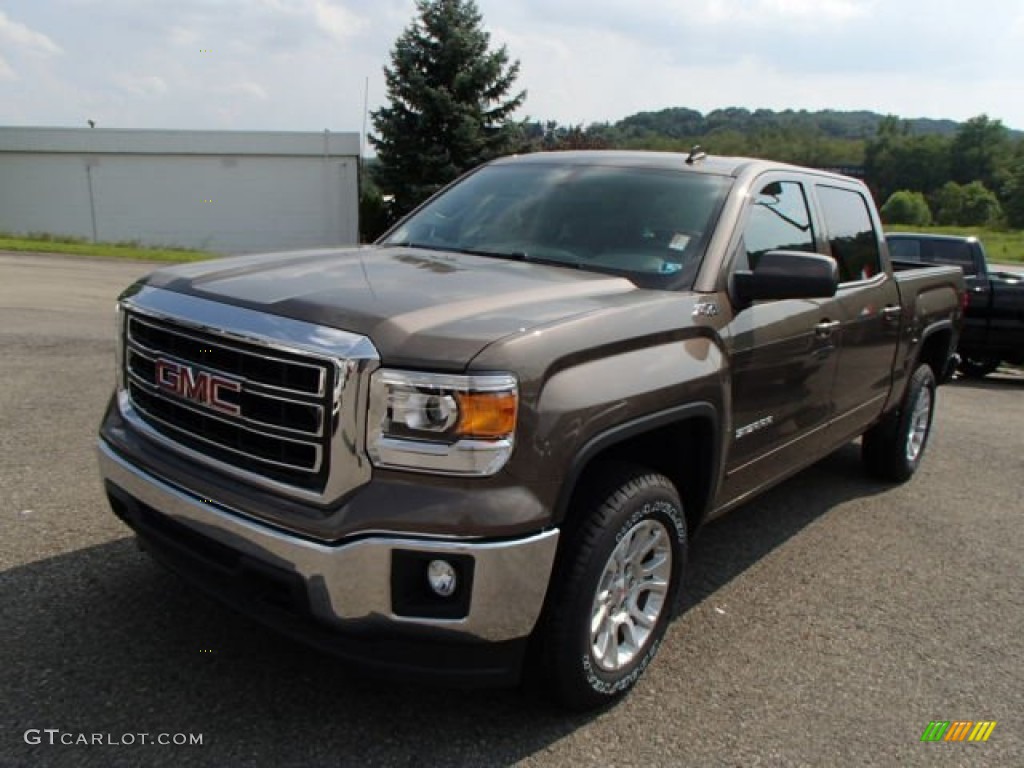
[682,451]
[935,352]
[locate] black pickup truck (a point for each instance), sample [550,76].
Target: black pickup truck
[994,319]
[483,445]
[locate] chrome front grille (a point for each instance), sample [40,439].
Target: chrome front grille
[290,414]
[262,410]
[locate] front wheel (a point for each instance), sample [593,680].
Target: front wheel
[893,448]
[616,587]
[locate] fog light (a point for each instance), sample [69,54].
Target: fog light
[441,575]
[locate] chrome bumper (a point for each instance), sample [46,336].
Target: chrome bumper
[349,585]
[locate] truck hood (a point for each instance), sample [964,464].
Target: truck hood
[419,307]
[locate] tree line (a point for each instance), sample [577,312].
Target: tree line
[451,99]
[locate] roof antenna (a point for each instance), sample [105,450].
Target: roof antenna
[696,154]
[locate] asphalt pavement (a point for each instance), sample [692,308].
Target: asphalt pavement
[828,622]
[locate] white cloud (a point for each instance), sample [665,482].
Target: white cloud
[818,10]
[250,89]
[142,85]
[185,36]
[337,21]
[20,35]
[6,73]
[304,64]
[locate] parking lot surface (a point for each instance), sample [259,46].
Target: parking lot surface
[828,622]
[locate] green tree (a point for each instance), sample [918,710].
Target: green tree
[980,206]
[1013,190]
[552,137]
[981,151]
[948,203]
[374,210]
[906,207]
[895,159]
[449,108]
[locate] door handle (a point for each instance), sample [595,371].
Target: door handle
[825,328]
[892,313]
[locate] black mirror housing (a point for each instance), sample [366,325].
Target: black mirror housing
[787,275]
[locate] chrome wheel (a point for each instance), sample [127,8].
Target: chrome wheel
[631,595]
[920,419]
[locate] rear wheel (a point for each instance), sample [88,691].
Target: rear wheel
[616,589]
[977,367]
[893,448]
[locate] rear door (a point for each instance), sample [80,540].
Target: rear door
[868,307]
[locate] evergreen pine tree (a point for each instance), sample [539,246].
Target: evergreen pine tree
[448,107]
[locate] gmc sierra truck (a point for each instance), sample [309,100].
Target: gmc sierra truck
[993,329]
[479,449]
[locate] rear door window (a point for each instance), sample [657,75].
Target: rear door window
[851,235]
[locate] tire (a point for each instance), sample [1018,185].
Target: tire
[621,571]
[977,367]
[893,448]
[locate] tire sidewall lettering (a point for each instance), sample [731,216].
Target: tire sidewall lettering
[661,507]
[607,688]
[665,511]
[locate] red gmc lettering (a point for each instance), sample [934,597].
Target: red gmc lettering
[218,385]
[196,385]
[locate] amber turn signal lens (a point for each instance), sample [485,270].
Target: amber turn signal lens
[486,415]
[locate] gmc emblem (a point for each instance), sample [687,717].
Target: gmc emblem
[197,385]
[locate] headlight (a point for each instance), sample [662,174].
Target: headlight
[456,425]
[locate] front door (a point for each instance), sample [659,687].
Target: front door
[784,353]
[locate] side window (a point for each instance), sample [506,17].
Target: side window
[956,252]
[905,250]
[852,237]
[779,221]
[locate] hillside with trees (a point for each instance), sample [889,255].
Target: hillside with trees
[921,171]
[451,97]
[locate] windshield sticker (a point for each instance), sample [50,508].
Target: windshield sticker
[679,242]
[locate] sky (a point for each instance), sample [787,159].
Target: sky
[309,65]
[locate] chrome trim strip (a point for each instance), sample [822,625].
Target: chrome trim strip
[320,369]
[248,326]
[257,387]
[134,418]
[463,458]
[158,392]
[485,382]
[352,356]
[349,585]
[135,408]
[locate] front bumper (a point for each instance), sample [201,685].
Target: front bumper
[342,597]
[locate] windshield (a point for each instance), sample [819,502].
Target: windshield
[650,225]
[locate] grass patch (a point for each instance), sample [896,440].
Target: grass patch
[1004,246]
[45,243]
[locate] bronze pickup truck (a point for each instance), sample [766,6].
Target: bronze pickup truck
[479,449]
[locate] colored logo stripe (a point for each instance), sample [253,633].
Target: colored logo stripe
[958,730]
[982,730]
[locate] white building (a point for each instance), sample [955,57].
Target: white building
[224,191]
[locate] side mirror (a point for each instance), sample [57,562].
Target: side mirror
[787,275]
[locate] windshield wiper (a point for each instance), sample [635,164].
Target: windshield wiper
[516,255]
[512,255]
